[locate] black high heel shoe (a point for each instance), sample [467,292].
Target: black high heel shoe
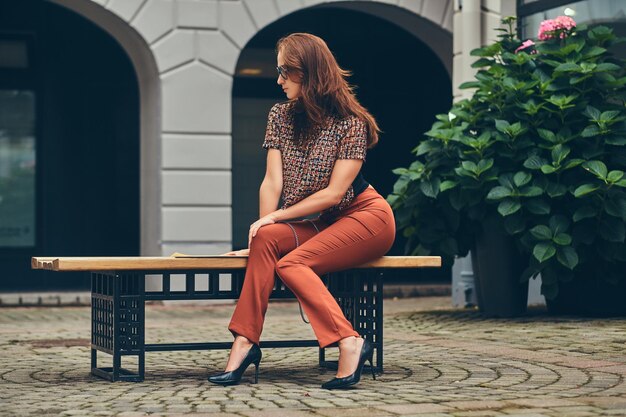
[367,353]
[253,356]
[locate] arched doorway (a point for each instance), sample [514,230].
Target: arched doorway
[84,125]
[401,80]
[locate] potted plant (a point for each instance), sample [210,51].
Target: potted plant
[533,162]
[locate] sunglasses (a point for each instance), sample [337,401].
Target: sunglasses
[282,72]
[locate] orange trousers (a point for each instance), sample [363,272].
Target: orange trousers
[300,251]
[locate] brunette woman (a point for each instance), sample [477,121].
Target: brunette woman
[316,145]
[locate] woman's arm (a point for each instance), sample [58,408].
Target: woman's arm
[344,172]
[272,185]
[269,192]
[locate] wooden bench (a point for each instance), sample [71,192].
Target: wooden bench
[119,293]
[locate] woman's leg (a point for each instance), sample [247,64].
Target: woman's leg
[267,247]
[360,236]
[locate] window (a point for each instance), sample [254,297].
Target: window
[17,168]
[588,11]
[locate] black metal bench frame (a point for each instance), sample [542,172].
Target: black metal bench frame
[118,312]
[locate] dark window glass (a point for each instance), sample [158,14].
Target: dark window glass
[17,168]
[13,54]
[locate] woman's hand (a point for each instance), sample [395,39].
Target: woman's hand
[263,221]
[241,252]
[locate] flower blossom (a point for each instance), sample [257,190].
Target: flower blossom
[559,27]
[526,44]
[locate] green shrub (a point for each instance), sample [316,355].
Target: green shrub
[542,143]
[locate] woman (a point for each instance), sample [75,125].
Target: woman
[317,143]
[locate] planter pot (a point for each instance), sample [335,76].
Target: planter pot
[590,295]
[498,266]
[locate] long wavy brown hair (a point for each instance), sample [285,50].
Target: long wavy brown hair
[325,90]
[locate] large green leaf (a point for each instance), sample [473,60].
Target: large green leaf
[469,84]
[585,212]
[483,62]
[567,257]
[541,232]
[614,176]
[531,191]
[547,135]
[593,52]
[559,153]
[427,146]
[598,168]
[469,166]
[609,115]
[615,140]
[544,251]
[535,162]
[548,169]
[430,188]
[508,207]
[537,206]
[571,163]
[607,66]
[400,185]
[592,113]
[562,239]
[584,190]
[498,193]
[506,180]
[590,131]
[558,224]
[484,165]
[446,185]
[522,178]
[567,67]
[502,125]
[555,190]
[616,207]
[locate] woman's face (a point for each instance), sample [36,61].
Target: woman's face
[291,88]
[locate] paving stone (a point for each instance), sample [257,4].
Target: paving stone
[414,408]
[545,402]
[477,413]
[476,405]
[355,412]
[528,415]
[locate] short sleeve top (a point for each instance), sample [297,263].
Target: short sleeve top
[307,167]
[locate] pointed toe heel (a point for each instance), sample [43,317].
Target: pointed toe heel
[367,354]
[253,356]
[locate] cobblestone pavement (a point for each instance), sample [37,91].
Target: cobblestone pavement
[438,362]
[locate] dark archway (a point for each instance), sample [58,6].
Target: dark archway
[86,196]
[400,79]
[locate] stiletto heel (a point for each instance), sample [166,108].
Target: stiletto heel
[367,352]
[372,368]
[253,356]
[256,372]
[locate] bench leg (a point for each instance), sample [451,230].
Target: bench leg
[118,323]
[360,296]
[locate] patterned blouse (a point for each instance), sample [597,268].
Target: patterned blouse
[307,167]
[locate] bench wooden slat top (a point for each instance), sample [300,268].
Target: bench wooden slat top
[146,263]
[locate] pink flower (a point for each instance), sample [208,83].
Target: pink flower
[561,27]
[525,45]
[565,22]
